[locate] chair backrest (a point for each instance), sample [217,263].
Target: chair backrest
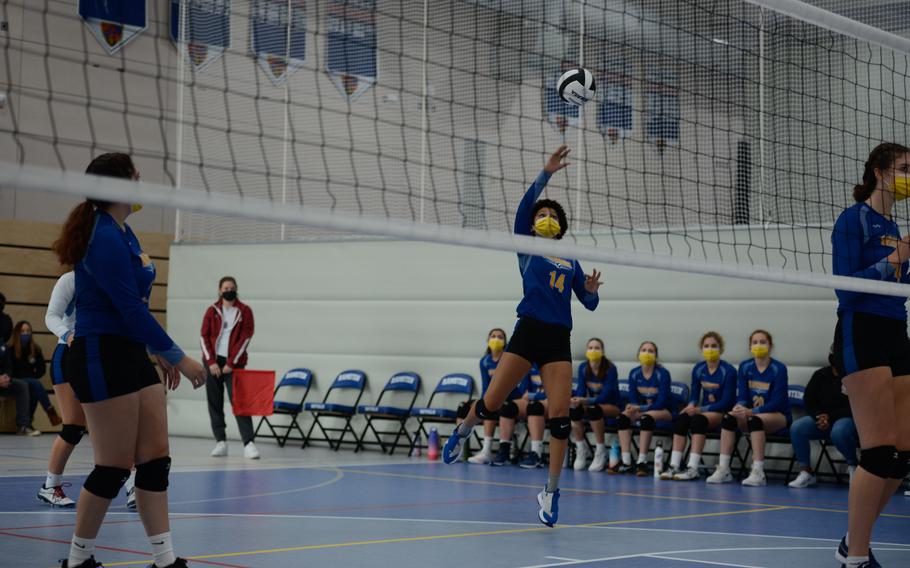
[623,393]
[400,390]
[679,392]
[294,386]
[346,388]
[452,390]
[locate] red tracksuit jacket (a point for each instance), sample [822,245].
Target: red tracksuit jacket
[241,334]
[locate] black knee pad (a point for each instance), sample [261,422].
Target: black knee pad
[728,422]
[595,412]
[105,482]
[681,425]
[463,409]
[560,427]
[535,408]
[482,412]
[755,424]
[509,410]
[152,475]
[699,424]
[72,434]
[647,423]
[577,413]
[880,461]
[902,466]
[623,423]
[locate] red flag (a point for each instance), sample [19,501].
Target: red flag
[253,392]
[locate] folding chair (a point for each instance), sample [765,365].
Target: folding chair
[452,390]
[290,396]
[336,404]
[795,395]
[405,385]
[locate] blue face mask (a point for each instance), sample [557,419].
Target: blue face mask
[25,339]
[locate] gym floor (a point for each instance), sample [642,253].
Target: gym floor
[316,507]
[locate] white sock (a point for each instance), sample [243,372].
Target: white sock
[163,549]
[502,441]
[675,459]
[130,481]
[600,448]
[81,549]
[642,457]
[464,430]
[847,539]
[627,458]
[854,561]
[537,447]
[694,459]
[53,480]
[580,444]
[487,445]
[760,465]
[724,462]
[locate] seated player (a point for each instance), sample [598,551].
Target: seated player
[513,409]
[496,343]
[596,397]
[537,420]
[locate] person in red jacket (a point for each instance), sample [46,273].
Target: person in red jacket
[227,330]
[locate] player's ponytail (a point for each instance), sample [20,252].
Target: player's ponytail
[881,158]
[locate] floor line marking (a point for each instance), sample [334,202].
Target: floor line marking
[561,558]
[694,561]
[339,474]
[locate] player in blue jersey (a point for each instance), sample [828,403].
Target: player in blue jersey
[871,348]
[109,370]
[713,394]
[595,398]
[513,409]
[496,343]
[542,333]
[649,403]
[537,411]
[762,407]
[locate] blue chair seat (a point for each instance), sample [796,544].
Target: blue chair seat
[329,407]
[437,412]
[392,410]
[281,406]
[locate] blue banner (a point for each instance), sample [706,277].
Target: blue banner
[351,45]
[114,22]
[614,117]
[559,113]
[279,52]
[207,30]
[662,107]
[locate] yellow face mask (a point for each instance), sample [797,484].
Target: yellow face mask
[711,355]
[547,227]
[760,351]
[496,345]
[647,359]
[901,188]
[136,207]
[594,355]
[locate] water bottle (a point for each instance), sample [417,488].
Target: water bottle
[418,451]
[614,454]
[658,459]
[433,444]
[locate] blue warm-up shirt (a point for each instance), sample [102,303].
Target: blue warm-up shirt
[113,285]
[717,390]
[488,373]
[547,282]
[861,241]
[763,392]
[653,393]
[598,391]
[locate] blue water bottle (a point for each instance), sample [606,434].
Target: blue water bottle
[433,444]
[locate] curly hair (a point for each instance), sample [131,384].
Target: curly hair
[560,214]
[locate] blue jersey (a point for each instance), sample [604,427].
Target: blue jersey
[860,244]
[653,393]
[488,373]
[763,392]
[717,390]
[535,388]
[599,391]
[547,282]
[113,285]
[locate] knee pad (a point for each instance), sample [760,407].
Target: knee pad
[699,424]
[880,461]
[509,410]
[681,426]
[152,475]
[72,434]
[595,412]
[105,482]
[463,409]
[560,427]
[535,408]
[728,422]
[647,423]
[623,423]
[482,412]
[755,424]
[902,466]
[576,413]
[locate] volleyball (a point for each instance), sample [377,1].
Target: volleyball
[576,86]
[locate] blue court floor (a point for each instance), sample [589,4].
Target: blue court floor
[320,508]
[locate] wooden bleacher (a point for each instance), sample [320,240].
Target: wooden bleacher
[28,271]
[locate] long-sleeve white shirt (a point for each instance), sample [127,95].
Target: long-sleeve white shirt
[61,309]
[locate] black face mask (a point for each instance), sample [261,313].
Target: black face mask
[229,295]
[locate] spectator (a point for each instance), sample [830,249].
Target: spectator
[6,322]
[19,391]
[28,365]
